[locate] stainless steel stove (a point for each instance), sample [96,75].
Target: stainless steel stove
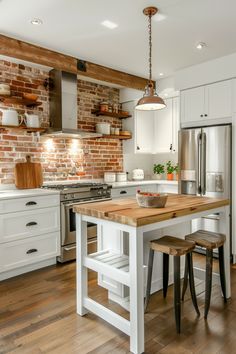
[71,194]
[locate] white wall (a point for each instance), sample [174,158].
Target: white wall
[127,95]
[208,72]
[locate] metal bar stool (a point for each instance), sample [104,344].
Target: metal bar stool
[176,247]
[208,240]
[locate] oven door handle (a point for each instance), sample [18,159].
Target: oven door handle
[69,248]
[70,205]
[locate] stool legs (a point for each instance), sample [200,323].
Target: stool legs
[222,271]
[177,292]
[185,283]
[165,273]
[191,281]
[208,281]
[149,278]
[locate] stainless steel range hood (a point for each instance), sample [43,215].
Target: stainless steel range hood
[63,107]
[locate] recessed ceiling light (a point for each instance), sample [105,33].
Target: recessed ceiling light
[161,74]
[109,24]
[36,21]
[166,95]
[201,45]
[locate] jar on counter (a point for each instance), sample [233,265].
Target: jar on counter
[104,106]
[109,177]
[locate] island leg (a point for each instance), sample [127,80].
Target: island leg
[81,271]
[225,229]
[136,291]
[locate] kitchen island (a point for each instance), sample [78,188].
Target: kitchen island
[125,215]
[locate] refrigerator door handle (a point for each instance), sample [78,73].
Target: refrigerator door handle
[199,153]
[203,164]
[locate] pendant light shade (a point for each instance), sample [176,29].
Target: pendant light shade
[150,100]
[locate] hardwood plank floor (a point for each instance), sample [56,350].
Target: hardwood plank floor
[38,315]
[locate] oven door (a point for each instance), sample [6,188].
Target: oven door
[68,225]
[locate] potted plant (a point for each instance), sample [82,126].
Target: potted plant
[170,170]
[158,170]
[177,169]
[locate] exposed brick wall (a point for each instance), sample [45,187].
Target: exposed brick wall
[91,157]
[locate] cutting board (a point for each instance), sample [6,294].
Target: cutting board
[28,174]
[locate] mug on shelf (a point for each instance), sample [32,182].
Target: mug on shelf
[32,120]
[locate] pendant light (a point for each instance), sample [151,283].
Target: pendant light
[150,100]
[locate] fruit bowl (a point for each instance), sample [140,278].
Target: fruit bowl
[151,200]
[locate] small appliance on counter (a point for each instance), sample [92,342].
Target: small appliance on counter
[138,174]
[121,176]
[109,177]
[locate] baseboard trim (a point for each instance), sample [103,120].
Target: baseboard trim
[26,269]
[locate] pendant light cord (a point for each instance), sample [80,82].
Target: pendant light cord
[150,45]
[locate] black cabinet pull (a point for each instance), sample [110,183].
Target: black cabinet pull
[32,250]
[30,203]
[138,148]
[32,223]
[123,192]
[171,147]
[201,115]
[205,115]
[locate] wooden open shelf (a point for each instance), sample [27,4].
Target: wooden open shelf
[120,137]
[19,101]
[120,115]
[22,127]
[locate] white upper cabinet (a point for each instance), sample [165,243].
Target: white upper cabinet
[206,102]
[144,129]
[153,131]
[167,126]
[192,104]
[218,100]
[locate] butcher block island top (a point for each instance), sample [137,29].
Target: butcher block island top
[127,211]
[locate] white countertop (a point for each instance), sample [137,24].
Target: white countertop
[21,193]
[143,182]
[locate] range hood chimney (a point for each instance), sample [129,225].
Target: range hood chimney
[63,107]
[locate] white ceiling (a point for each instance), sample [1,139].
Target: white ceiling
[73,27]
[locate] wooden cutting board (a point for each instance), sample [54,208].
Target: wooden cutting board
[28,174]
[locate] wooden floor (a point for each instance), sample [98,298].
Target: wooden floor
[37,315]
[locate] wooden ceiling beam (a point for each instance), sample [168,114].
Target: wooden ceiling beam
[25,51]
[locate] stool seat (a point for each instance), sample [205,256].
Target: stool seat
[172,245]
[207,239]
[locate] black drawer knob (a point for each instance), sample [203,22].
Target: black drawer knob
[32,250]
[31,203]
[123,192]
[32,223]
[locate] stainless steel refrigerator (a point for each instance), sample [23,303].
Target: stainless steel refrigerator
[205,167]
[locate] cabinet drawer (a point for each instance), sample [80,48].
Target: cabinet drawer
[29,203]
[15,226]
[35,249]
[123,192]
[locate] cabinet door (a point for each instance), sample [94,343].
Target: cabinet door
[192,104]
[175,123]
[163,120]
[218,100]
[144,131]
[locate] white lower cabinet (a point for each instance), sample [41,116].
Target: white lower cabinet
[15,226]
[29,233]
[27,251]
